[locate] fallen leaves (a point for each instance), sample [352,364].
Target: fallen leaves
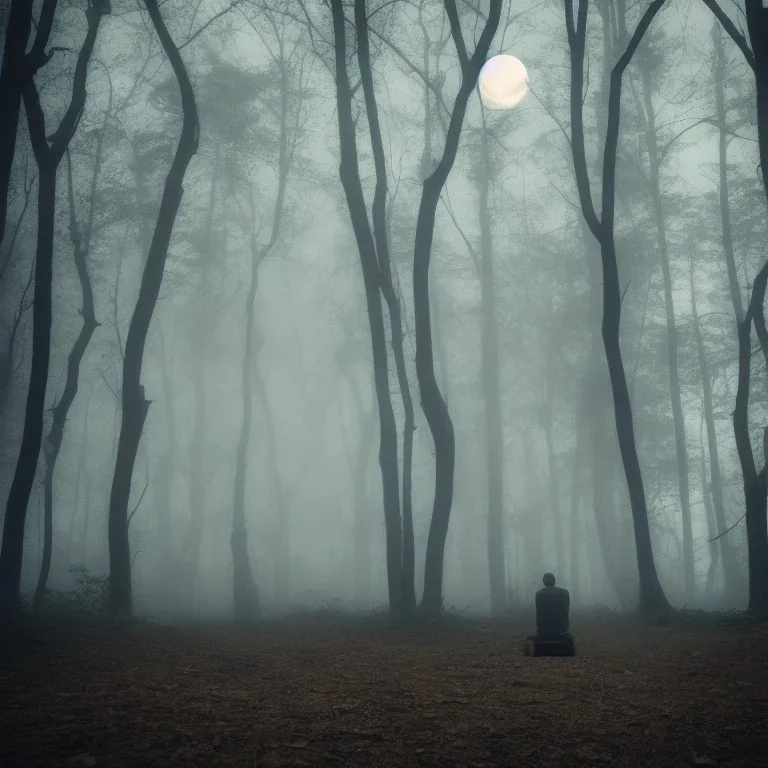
[290,696]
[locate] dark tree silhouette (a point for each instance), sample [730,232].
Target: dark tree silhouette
[754,485]
[379,218]
[349,173]
[432,401]
[653,601]
[48,154]
[134,404]
[81,242]
[16,67]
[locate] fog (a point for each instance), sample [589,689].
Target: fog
[263,434]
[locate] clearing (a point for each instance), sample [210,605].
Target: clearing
[333,692]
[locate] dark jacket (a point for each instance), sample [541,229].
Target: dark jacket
[552,607]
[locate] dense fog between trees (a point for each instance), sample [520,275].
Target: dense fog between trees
[368,272]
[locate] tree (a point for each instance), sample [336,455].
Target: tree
[379,218]
[653,601]
[134,405]
[48,154]
[12,76]
[246,599]
[489,350]
[432,402]
[81,243]
[755,492]
[647,62]
[349,173]
[731,571]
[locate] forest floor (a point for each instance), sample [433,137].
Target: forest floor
[311,692]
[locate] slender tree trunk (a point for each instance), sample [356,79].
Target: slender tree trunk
[246,596]
[166,468]
[359,464]
[553,480]
[754,483]
[362,522]
[17,34]
[48,154]
[379,218]
[134,404]
[432,402]
[678,420]
[576,503]
[757,58]
[245,592]
[349,173]
[724,192]
[197,484]
[731,571]
[282,550]
[26,466]
[653,601]
[81,245]
[710,516]
[86,481]
[494,427]
[595,403]
[757,25]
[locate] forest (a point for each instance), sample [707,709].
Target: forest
[295,329]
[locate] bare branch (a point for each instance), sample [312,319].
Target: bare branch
[734,33]
[210,21]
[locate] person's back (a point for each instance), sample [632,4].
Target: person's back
[552,608]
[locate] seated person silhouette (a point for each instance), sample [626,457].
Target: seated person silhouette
[552,606]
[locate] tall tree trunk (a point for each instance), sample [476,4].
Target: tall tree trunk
[163,482]
[81,247]
[553,483]
[245,593]
[197,483]
[379,218]
[731,571]
[134,404]
[754,485]
[282,546]
[349,172]
[12,79]
[489,351]
[757,26]
[86,480]
[48,156]
[757,58]
[595,397]
[652,601]
[362,522]
[710,516]
[754,482]
[432,402]
[204,317]
[576,503]
[723,186]
[678,420]
[246,597]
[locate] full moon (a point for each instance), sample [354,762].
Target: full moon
[503,82]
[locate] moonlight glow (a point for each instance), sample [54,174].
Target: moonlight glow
[503,82]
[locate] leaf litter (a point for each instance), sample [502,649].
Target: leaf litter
[335,693]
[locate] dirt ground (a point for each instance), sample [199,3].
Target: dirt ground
[334,693]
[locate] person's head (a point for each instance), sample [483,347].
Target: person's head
[549,580]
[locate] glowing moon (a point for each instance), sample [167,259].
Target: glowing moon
[503,82]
